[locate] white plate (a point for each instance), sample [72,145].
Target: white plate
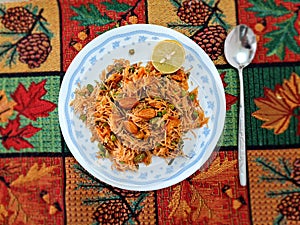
[100,53]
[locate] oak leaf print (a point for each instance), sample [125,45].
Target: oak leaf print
[6,107]
[20,199]
[30,103]
[277,107]
[13,136]
[34,175]
[191,199]
[175,201]
[215,169]
[183,211]
[17,213]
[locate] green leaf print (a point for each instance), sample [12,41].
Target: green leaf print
[90,15]
[116,6]
[267,8]
[283,38]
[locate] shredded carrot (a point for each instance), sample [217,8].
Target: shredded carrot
[138,113]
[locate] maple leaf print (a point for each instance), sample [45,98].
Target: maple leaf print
[13,136]
[230,99]
[277,108]
[290,91]
[29,102]
[274,110]
[6,107]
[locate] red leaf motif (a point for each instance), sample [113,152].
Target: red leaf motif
[13,136]
[29,102]
[222,75]
[230,99]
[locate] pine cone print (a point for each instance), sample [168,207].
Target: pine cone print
[34,49]
[195,12]
[127,193]
[18,19]
[113,212]
[290,207]
[211,39]
[296,171]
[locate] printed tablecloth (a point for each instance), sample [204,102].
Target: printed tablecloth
[41,182]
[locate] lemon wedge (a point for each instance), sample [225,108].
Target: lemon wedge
[168,56]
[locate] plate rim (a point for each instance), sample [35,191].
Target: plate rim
[80,56]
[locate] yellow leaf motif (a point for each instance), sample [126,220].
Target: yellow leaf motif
[198,202]
[3,213]
[18,214]
[183,211]
[196,205]
[290,91]
[215,169]
[34,174]
[175,202]
[6,107]
[276,107]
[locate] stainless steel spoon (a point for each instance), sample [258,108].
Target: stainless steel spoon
[240,47]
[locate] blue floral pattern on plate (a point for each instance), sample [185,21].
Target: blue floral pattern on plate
[116,44]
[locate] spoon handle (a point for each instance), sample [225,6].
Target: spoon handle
[241,136]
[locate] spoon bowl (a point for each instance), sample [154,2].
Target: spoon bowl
[240,47]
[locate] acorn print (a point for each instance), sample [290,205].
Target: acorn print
[195,12]
[133,19]
[227,190]
[260,26]
[82,37]
[84,34]
[45,196]
[18,19]
[129,18]
[34,49]
[112,212]
[76,45]
[290,207]
[211,39]
[238,203]
[54,208]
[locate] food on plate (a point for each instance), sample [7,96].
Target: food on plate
[137,112]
